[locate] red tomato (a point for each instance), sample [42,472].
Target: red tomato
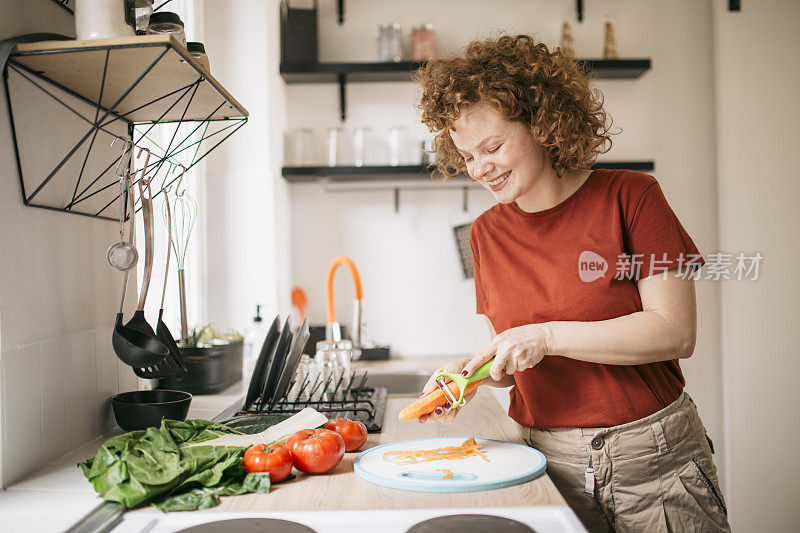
[353,432]
[316,451]
[275,459]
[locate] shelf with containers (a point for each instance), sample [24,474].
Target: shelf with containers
[348,174]
[405,177]
[99,91]
[342,73]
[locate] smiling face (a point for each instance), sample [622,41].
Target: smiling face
[500,154]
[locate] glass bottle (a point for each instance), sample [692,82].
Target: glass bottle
[390,43]
[253,339]
[422,43]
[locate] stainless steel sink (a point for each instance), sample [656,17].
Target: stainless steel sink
[400,383]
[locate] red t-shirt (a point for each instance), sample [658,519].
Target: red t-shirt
[546,266]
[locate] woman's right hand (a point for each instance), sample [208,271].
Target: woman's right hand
[446,412]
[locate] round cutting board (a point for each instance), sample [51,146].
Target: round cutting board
[509,464]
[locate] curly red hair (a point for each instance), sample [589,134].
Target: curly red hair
[529,84]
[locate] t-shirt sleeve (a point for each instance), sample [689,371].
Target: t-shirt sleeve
[480,297]
[657,240]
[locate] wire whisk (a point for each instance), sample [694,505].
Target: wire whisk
[184,216]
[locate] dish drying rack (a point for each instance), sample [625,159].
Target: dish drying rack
[330,397]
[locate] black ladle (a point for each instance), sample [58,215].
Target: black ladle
[134,347]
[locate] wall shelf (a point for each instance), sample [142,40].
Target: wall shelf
[342,73]
[402,71]
[105,89]
[388,173]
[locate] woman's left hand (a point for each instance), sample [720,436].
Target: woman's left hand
[514,350]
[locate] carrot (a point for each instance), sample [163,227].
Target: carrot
[432,400]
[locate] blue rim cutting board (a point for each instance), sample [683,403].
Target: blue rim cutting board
[509,464]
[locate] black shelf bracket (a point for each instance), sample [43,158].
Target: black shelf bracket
[340,8]
[579,9]
[341,79]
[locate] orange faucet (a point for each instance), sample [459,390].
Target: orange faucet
[333,330]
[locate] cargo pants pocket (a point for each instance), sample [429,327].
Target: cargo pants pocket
[698,504]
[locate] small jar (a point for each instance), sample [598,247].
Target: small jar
[422,43]
[167,23]
[143,9]
[102,19]
[198,51]
[390,43]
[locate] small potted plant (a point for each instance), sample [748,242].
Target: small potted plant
[213,361]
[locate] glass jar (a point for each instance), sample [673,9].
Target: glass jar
[167,23]
[142,10]
[422,43]
[333,366]
[198,51]
[103,19]
[390,43]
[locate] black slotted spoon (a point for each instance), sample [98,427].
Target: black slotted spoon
[174,365]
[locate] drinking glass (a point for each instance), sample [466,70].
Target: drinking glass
[301,144]
[397,137]
[333,366]
[361,139]
[336,147]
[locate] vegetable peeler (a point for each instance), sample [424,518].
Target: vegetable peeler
[461,381]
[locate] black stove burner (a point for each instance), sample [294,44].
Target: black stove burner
[470,523]
[249,525]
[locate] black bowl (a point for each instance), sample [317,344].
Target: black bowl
[145,408]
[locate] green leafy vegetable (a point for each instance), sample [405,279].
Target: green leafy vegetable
[205,497]
[160,465]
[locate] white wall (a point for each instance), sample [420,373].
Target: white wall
[58,301]
[416,298]
[757,77]
[246,232]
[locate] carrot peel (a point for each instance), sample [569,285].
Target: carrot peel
[468,448]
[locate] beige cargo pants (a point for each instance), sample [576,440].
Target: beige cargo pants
[651,475]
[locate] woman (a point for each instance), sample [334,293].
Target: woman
[586,277]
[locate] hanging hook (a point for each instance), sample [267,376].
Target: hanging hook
[126,150]
[168,187]
[178,186]
[146,163]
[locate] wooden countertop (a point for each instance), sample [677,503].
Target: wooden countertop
[343,490]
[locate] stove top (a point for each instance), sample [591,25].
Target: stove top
[523,519]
